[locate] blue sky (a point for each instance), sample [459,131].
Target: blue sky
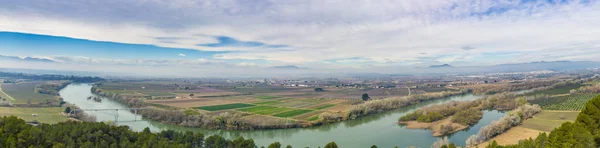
[22,44]
[237,34]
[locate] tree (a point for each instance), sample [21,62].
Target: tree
[373,146]
[191,95]
[288,146]
[319,89]
[68,109]
[365,97]
[275,145]
[331,145]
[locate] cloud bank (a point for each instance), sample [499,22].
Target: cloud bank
[327,34]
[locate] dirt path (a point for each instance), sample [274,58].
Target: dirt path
[11,98]
[408,90]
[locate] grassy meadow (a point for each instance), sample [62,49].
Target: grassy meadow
[49,115]
[23,92]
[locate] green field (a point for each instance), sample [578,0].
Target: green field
[266,97]
[324,106]
[269,102]
[548,120]
[224,106]
[157,93]
[574,102]
[556,91]
[265,110]
[23,92]
[258,89]
[313,118]
[292,113]
[272,111]
[257,108]
[49,115]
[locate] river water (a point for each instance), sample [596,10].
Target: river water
[380,129]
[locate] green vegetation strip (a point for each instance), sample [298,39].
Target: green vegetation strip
[265,110]
[324,106]
[266,97]
[272,111]
[257,108]
[556,91]
[224,106]
[292,113]
[268,102]
[313,118]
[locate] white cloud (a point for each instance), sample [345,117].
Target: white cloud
[380,32]
[246,64]
[182,55]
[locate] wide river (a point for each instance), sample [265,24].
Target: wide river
[380,129]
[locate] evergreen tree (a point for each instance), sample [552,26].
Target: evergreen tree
[275,145]
[331,145]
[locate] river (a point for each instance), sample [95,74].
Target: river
[380,129]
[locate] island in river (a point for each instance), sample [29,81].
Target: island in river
[191,105]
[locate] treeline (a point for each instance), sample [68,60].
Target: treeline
[583,133]
[507,87]
[512,119]
[377,106]
[16,133]
[51,77]
[51,88]
[592,89]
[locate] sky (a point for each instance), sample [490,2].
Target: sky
[249,36]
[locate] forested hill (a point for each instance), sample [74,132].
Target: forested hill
[15,133]
[77,79]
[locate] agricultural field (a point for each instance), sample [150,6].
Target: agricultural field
[265,110]
[545,121]
[356,93]
[266,97]
[292,113]
[4,95]
[548,120]
[556,91]
[23,92]
[298,103]
[573,102]
[324,106]
[224,106]
[162,89]
[48,115]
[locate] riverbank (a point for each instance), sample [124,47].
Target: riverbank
[377,128]
[545,121]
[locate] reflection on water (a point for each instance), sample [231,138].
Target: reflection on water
[380,129]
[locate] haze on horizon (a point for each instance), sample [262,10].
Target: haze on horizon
[254,38]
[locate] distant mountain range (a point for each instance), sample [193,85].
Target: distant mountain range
[517,67]
[440,66]
[286,67]
[25,59]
